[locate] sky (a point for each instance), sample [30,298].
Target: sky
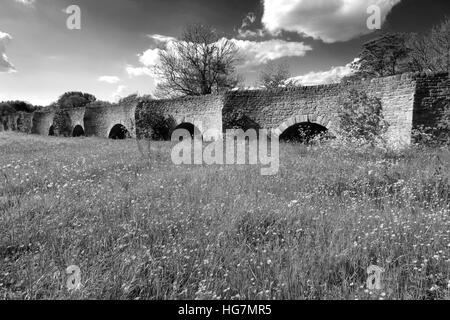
[113,53]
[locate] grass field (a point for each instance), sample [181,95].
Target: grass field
[142,228]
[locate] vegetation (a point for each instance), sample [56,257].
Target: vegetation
[154,125]
[70,100]
[144,228]
[11,107]
[274,76]
[396,53]
[201,62]
[431,52]
[361,118]
[382,57]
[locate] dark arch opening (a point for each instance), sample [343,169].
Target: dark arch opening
[78,131]
[18,124]
[192,129]
[119,132]
[51,131]
[305,133]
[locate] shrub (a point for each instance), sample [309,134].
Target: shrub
[361,118]
[152,124]
[439,135]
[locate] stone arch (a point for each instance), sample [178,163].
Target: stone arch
[323,121]
[78,131]
[51,131]
[191,127]
[119,132]
[19,123]
[312,121]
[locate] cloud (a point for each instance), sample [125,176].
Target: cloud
[328,20]
[119,93]
[150,58]
[334,75]
[137,71]
[5,65]
[261,52]
[161,40]
[253,53]
[109,79]
[28,3]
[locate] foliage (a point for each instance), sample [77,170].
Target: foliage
[10,107]
[152,124]
[274,76]
[201,62]
[395,53]
[101,104]
[235,118]
[71,100]
[382,57]
[361,117]
[431,52]
[437,136]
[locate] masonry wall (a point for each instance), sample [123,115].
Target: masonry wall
[67,119]
[397,98]
[24,122]
[409,101]
[432,98]
[204,112]
[279,109]
[98,121]
[42,121]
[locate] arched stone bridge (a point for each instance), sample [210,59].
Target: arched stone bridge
[408,100]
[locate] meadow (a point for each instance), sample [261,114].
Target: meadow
[140,227]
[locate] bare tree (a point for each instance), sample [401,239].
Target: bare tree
[274,76]
[201,62]
[431,52]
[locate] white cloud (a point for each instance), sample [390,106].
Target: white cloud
[150,57]
[138,71]
[5,65]
[328,20]
[109,79]
[257,53]
[334,75]
[161,39]
[253,53]
[119,93]
[29,3]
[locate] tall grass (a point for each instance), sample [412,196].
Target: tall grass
[142,228]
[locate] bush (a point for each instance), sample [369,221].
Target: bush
[152,124]
[439,135]
[71,100]
[361,118]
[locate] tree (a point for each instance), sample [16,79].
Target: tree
[384,56]
[70,100]
[200,63]
[431,52]
[17,106]
[274,76]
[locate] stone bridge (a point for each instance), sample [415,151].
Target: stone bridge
[408,100]
[116,122]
